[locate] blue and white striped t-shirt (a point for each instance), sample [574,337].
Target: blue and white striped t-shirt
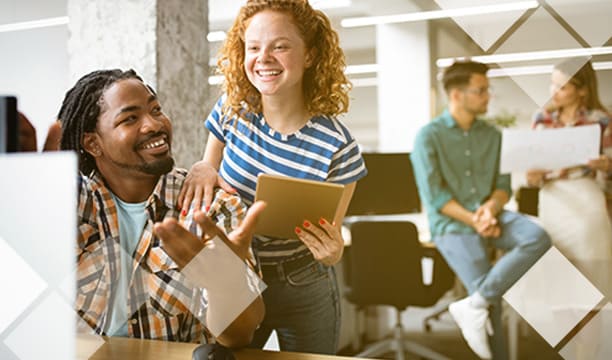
[322,150]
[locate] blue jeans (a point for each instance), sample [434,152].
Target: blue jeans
[304,309]
[467,254]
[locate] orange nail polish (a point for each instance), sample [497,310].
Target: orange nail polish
[207,208]
[321,221]
[306,223]
[184,212]
[298,230]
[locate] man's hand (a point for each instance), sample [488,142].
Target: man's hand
[485,219]
[182,246]
[199,185]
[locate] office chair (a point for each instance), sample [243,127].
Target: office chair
[385,269]
[528,199]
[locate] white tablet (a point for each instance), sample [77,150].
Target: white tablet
[291,201]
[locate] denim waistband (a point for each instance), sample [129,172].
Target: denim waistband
[286,267]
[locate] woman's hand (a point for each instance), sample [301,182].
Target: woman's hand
[199,184]
[602,163]
[536,178]
[324,241]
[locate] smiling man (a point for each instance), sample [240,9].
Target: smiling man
[130,247]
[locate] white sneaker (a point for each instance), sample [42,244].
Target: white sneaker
[474,324]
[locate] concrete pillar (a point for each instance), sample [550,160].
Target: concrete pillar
[404,84]
[165,42]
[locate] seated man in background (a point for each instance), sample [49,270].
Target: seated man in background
[129,282]
[456,165]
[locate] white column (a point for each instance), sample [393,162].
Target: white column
[404,86]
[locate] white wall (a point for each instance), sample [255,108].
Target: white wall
[34,63]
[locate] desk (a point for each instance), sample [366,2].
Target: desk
[138,349]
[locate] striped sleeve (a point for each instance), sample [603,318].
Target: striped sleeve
[347,165]
[214,121]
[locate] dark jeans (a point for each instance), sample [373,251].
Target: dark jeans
[304,309]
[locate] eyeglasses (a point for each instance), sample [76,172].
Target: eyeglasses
[479,91]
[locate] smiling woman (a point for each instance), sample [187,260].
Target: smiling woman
[285,86]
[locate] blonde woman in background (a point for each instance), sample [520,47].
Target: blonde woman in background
[572,203]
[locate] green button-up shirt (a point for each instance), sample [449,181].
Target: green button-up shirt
[452,163]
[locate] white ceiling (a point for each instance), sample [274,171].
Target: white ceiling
[222,13]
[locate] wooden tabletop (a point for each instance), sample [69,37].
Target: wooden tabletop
[138,349]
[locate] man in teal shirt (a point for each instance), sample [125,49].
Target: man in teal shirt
[456,164]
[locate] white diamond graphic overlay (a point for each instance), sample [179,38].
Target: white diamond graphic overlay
[24,285]
[535,35]
[593,340]
[553,296]
[485,29]
[229,294]
[589,18]
[50,327]
[87,341]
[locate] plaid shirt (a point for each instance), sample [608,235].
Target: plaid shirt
[550,119]
[159,298]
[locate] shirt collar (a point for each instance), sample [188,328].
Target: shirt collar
[582,116]
[161,195]
[448,120]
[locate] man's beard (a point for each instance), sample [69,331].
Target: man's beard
[158,167]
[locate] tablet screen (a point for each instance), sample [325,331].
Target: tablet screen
[291,201]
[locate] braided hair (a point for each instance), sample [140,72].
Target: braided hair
[81,108]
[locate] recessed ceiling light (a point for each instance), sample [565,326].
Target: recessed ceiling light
[35,24]
[438,14]
[529,56]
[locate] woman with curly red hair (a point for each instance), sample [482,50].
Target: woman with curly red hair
[284,88]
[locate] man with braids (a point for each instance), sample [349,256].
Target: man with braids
[285,87]
[131,247]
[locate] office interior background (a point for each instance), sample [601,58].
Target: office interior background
[394,67]
[393,62]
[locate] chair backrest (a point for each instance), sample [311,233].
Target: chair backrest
[385,266]
[389,187]
[527,199]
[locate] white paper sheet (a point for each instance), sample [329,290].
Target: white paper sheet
[548,149]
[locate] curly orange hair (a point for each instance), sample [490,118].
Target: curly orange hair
[325,85]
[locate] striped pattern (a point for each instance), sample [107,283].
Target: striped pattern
[322,150]
[159,299]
